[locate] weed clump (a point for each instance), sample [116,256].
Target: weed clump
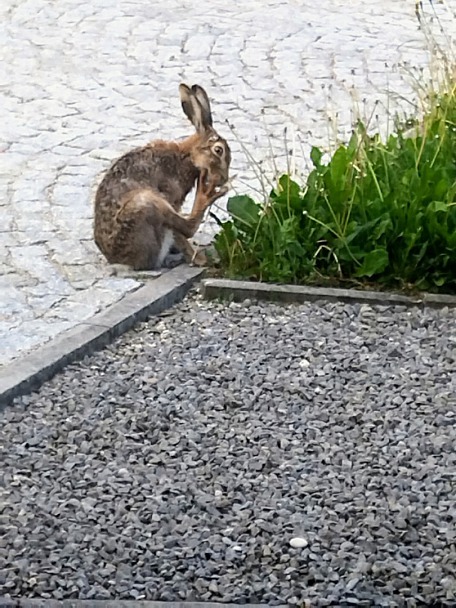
[377,212]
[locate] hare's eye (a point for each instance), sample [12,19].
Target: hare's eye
[218,149]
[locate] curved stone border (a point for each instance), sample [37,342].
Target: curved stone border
[30,371]
[240,290]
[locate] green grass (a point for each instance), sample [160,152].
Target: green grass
[378,212]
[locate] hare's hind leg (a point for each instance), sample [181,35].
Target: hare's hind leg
[205,195]
[191,255]
[140,234]
[145,227]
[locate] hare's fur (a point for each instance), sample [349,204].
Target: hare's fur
[138,202]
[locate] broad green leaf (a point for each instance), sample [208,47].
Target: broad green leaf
[287,193]
[316,156]
[289,187]
[244,210]
[382,227]
[354,142]
[225,239]
[338,168]
[436,206]
[442,188]
[374,262]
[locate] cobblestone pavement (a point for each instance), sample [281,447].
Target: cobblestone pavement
[82,82]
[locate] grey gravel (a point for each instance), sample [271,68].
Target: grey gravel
[180,463]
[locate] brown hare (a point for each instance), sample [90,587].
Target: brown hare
[138,202]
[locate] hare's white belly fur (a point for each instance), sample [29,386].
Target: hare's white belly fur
[167,243]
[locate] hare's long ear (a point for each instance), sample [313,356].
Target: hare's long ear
[196,107]
[203,99]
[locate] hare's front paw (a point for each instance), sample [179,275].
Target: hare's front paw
[218,192]
[209,189]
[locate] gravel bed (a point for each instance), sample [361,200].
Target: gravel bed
[252,453]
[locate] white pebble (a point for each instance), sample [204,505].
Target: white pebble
[298,542]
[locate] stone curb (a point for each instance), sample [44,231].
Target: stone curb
[31,371]
[240,290]
[30,603]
